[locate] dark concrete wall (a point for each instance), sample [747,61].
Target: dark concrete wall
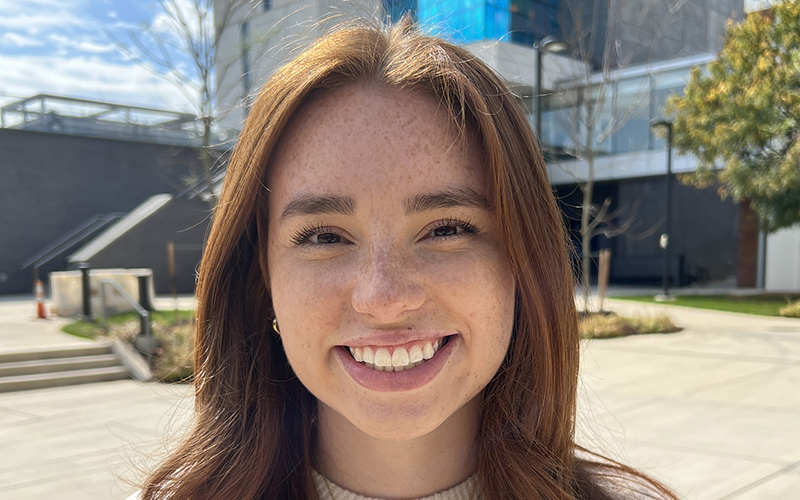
[705,229]
[50,183]
[183,222]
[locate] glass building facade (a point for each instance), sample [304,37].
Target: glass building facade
[465,21]
[624,106]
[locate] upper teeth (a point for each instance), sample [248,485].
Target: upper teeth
[400,359]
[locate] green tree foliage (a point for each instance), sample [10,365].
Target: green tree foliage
[741,118]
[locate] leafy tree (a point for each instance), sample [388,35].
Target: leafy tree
[741,117]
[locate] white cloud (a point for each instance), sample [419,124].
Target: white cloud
[17,40]
[35,23]
[89,77]
[81,44]
[74,64]
[14,5]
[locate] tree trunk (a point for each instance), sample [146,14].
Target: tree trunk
[587,221]
[207,162]
[586,241]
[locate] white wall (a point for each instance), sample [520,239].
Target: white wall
[623,166]
[276,35]
[756,5]
[517,63]
[783,260]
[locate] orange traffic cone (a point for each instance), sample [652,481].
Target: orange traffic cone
[41,311]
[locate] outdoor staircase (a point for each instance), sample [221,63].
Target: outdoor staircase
[37,369]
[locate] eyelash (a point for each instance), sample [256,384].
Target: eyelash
[466,225]
[303,236]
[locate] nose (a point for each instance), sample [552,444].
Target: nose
[387,287]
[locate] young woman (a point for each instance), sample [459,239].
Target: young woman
[385,302]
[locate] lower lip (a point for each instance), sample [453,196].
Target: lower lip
[405,380]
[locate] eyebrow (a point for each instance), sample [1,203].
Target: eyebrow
[325,204]
[448,198]
[345,205]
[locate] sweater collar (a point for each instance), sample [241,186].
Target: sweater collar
[328,490]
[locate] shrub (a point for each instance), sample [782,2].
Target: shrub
[175,333]
[175,361]
[791,310]
[609,325]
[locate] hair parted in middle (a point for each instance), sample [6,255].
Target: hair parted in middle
[255,421]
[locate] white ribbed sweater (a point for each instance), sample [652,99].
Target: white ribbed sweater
[328,490]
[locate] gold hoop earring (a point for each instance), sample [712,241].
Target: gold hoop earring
[275,326]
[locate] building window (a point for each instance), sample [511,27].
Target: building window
[246,76]
[267,5]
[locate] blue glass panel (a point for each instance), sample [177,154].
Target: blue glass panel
[459,20]
[498,20]
[397,8]
[520,21]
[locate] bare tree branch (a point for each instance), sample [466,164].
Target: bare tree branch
[189,30]
[599,112]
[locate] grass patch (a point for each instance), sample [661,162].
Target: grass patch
[763,304]
[84,329]
[174,333]
[610,325]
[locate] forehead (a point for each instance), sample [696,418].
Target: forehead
[366,134]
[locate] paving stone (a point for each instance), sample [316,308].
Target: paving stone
[712,411]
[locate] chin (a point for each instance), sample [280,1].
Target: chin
[404,422]
[400,429]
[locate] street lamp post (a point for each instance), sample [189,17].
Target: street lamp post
[546,44]
[664,241]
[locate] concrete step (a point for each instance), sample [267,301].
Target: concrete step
[16,368]
[57,379]
[94,349]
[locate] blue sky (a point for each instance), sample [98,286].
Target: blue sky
[62,47]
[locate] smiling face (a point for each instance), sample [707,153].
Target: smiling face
[392,290]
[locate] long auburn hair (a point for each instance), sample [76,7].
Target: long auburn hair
[253,432]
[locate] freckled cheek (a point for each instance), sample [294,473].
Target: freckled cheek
[481,283]
[308,299]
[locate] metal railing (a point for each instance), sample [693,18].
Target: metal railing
[144,314]
[145,342]
[69,239]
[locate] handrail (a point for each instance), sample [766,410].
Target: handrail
[200,185]
[70,238]
[144,315]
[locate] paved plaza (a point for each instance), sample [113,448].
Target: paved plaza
[712,410]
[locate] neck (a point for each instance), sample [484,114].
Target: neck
[411,468]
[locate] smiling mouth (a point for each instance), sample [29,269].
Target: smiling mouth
[397,359]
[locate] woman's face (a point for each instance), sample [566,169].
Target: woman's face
[393,293]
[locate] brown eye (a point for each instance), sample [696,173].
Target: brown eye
[328,238]
[445,231]
[317,236]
